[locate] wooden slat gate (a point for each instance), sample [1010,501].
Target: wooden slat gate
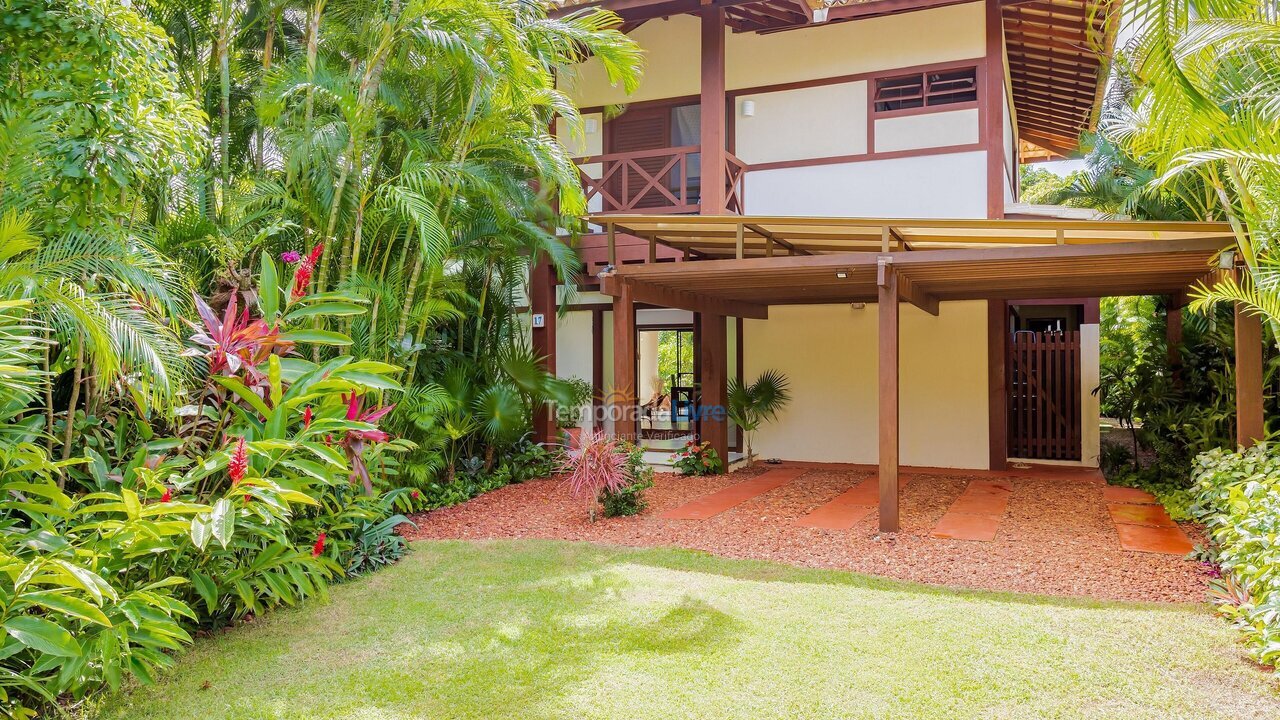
[1044,395]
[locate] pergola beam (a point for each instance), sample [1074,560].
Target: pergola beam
[681,299]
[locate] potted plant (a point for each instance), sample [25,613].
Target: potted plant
[569,416]
[750,406]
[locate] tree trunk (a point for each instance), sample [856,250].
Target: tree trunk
[224,106]
[268,49]
[71,409]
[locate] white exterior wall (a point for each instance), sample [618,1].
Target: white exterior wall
[928,186]
[829,353]
[821,121]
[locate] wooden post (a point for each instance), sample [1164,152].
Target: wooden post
[888,391]
[613,245]
[653,249]
[597,368]
[714,369]
[713,112]
[991,108]
[623,395]
[741,241]
[997,383]
[1250,428]
[542,302]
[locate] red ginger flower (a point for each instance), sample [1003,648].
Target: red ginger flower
[306,417]
[318,547]
[302,276]
[239,462]
[166,496]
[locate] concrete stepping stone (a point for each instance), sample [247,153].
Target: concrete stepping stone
[977,513]
[848,508]
[1131,496]
[734,495]
[967,526]
[1164,540]
[1153,515]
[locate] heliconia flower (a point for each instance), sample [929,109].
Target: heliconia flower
[290,256]
[302,276]
[166,496]
[306,417]
[318,547]
[239,462]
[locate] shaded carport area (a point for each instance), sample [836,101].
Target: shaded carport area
[739,266]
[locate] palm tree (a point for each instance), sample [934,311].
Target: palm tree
[750,406]
[1204,77]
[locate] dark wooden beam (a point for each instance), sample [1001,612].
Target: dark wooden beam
[887,282]
[681,299]
[1250,425]
[997,383]
[909,291]
[991,110]
[713,112]
[714,375]
[597,368]
[622,397]
[542,301]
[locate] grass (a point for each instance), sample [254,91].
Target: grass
[545,629]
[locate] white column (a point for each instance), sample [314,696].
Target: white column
[1090,411]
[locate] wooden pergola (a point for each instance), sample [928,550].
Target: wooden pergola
[739,266]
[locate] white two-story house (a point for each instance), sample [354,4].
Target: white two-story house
[783,172]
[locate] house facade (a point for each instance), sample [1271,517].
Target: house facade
[896,109]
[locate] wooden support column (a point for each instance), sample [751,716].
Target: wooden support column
[714,373]
[991,108]
[597,368]
[542,287]
[713,112]
[623,395]
[888,391]
[998,383]
[1250,428]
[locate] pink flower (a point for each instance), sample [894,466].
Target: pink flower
[166,496]
[414,494]
[318,547]
[306,417]
[290,256]
[239,462]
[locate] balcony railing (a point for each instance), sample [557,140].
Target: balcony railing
[661,181]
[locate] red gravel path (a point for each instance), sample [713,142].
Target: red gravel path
[1056,537]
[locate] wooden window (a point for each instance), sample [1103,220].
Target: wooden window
[917,90]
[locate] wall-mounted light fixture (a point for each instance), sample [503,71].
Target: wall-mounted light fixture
[820,15]
[1227,259]
[591,125]
[748,108]
[842,274]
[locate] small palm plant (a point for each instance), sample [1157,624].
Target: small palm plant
[750,406]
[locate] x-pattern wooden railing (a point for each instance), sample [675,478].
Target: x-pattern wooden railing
[657,181]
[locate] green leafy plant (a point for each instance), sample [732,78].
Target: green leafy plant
[1238,500]
[629,498]
[750,406]
[697,459]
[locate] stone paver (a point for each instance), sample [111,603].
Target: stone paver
[734,495]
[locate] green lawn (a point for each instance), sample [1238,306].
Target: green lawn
[539,629]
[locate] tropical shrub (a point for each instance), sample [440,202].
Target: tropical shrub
[1238,500]
[697,459]
[597,465]
[750,406]
[629,499]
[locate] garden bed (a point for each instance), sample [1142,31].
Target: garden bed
[1055,538]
